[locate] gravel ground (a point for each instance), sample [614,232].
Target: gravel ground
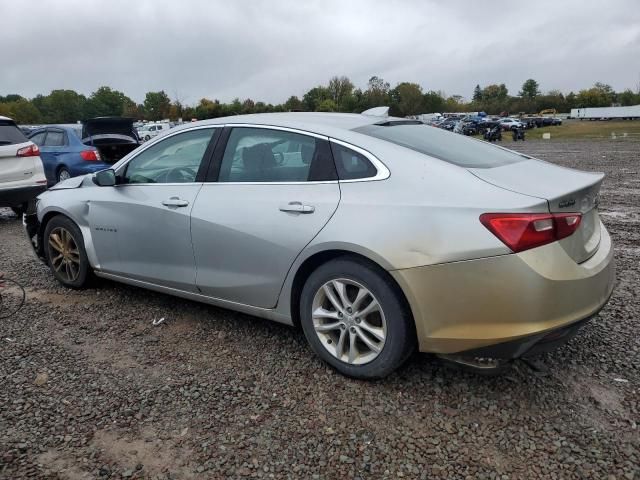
[91,389]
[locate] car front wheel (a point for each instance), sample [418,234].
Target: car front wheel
[355,320]
[66,255]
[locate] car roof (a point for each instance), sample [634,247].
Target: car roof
[6,118]
[317,122]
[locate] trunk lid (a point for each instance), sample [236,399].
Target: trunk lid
[113,137]
[106,126]
[566,191]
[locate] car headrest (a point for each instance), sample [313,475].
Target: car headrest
[257,158]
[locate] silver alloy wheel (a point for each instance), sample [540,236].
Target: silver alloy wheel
[349,321]
[64,175]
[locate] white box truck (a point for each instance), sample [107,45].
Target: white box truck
[606,113]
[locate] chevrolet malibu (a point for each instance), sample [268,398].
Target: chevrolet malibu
[376,235]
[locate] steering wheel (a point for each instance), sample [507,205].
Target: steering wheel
[180,175]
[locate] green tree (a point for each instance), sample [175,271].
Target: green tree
[207,109]
[627,98]
[21,110]
[105,102]
[314,97]
[157,105]
[327,105]
[293,104]
[477,93]
[495,92]
[377,93]
[248,106]
[61,106]
[530,89]
[12,97]
[600,95]
[408,99]
[433,102]
[340,89]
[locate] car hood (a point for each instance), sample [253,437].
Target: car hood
[108,126]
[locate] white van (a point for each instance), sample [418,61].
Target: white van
[150,130]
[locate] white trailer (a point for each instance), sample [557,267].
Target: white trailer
[606,113]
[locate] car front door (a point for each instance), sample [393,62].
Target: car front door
[275,190]
[141,226]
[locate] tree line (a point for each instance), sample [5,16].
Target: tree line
[338,95]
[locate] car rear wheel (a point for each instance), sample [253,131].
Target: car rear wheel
[66,255]
[355,320]
[63,174]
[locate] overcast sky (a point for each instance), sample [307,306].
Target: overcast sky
[269,50]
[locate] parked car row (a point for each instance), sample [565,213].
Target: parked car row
[474,125]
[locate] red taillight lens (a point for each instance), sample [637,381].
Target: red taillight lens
[90,155]
[30,151]
[522,231]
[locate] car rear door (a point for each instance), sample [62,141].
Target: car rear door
[51,148]
[141,226]
[275,190]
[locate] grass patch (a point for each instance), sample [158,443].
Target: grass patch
[589,129]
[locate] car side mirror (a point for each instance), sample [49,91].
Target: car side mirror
[105,178]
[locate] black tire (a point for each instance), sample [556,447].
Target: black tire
[63,171]
[82,275]
[400,338]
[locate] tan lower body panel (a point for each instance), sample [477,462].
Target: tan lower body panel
[471,304]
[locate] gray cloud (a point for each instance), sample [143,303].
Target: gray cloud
[268,50]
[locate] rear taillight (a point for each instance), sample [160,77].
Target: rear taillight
[90,155]
[522,231]
[30,151]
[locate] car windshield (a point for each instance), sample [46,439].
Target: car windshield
[10,134]
[446,146]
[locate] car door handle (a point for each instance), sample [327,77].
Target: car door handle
[175,202]
[297,207]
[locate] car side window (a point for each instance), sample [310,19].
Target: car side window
[270,155]
[175,159]
[350,164]
[55,138]
[38,138]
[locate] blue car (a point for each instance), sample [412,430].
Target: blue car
[71,150]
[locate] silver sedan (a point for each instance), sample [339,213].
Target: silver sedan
[377,235]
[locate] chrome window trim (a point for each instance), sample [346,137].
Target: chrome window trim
[315,182]
[382,171]
[275,127]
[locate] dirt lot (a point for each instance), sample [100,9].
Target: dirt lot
[91,389]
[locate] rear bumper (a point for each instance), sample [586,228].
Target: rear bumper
[509,305]
[16,196]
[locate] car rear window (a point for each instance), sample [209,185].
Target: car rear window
[447,146]
[10,134]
